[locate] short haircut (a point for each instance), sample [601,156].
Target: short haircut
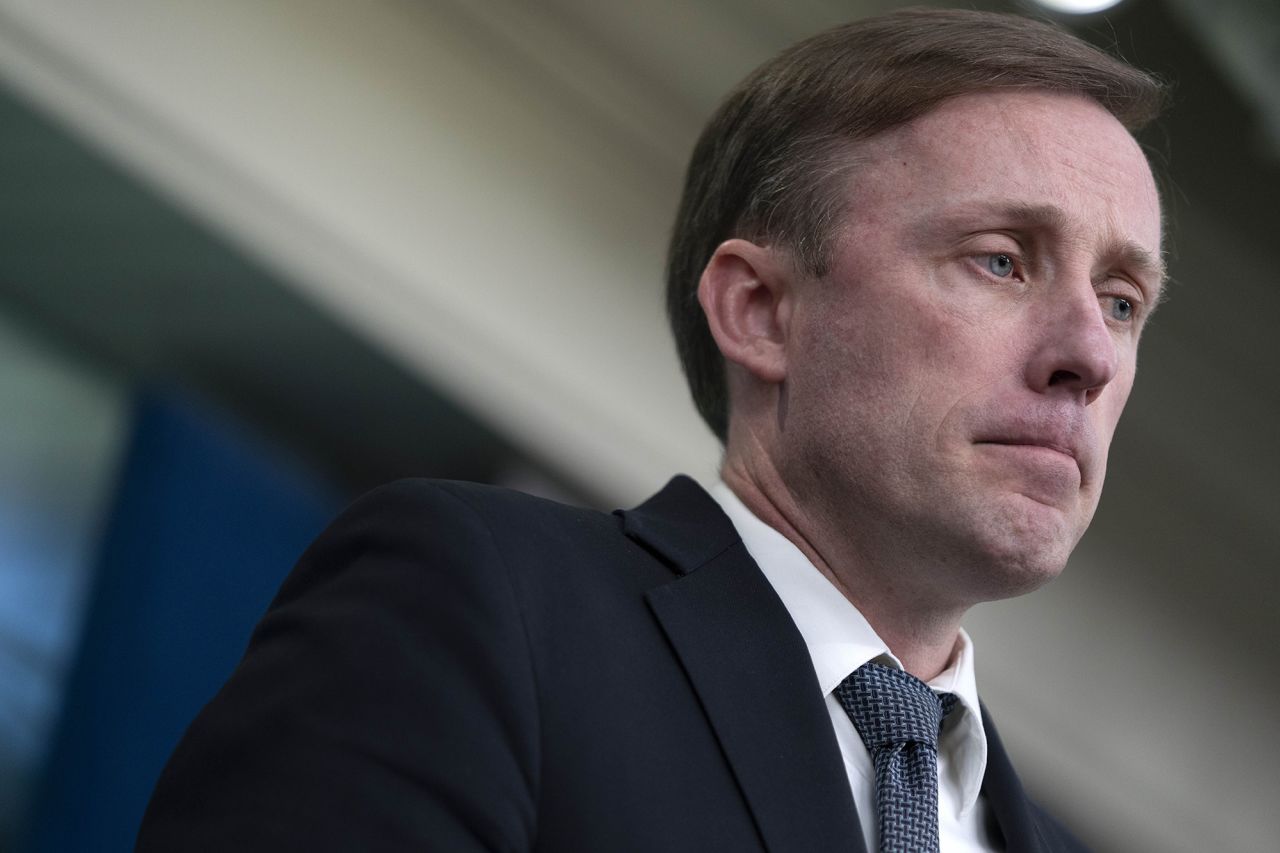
[771,165]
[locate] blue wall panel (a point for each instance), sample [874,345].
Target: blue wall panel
[206,523]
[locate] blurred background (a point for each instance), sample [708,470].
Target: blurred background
[257,257]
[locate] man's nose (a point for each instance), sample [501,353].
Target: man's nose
[1076,348]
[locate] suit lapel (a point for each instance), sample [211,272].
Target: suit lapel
[751,670]
[1008,799]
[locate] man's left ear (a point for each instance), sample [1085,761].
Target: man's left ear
[745,291]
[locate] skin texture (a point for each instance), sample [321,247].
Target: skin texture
[929,422]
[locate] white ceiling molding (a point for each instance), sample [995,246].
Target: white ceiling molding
[428,192]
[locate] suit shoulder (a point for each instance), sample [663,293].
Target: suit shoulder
[448,523]
[395,654]
[420,498]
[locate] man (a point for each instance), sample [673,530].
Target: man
[907,280]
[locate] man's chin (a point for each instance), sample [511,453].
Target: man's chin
[1023,548]
[1027,573]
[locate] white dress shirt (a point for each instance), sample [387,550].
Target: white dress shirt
[840,640]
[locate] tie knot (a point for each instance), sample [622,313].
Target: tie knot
[889,706]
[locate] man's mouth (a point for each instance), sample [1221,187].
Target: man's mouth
[1046,444]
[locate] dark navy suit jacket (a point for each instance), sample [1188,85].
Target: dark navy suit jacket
[455,667]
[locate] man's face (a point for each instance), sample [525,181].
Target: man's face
[954,381]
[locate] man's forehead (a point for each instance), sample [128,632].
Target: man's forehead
[1043,156]
[1017,118]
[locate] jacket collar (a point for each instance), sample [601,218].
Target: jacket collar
[682,525]
[749,666]
[1009,802]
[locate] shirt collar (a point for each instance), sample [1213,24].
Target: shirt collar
[840,639]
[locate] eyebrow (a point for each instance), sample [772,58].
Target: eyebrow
[1146,264]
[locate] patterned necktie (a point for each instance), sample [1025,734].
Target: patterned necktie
[899,718]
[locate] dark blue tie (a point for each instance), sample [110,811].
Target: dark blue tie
[899,718]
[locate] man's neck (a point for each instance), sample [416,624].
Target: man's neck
[921,633]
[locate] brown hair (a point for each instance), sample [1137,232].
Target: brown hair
[769,164]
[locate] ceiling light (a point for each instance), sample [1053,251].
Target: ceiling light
[1078,7]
